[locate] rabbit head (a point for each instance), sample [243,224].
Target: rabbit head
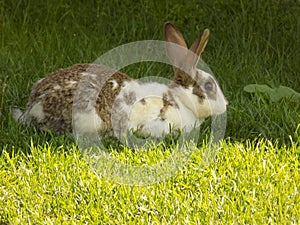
[197,89]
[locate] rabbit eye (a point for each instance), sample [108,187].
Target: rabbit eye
[208,86]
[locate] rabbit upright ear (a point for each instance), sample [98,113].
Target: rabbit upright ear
[198,47]
[173,36]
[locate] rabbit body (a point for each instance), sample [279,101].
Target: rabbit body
[92,98]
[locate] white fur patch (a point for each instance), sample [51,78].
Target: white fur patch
[145,113]
[17,114]
[115,84]
[37,112]
[88,74]
[71,83]
[57,87]
[86,123]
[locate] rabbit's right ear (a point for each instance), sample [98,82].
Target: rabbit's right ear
[173,37]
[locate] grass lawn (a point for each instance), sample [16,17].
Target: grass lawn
[254,177]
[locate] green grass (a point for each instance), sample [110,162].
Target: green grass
[254,178]
[252,183]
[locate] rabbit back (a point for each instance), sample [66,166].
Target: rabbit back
[53,98]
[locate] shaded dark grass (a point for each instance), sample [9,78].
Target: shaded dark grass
[251,42]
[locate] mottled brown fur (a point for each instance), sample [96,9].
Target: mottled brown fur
[143,101]
[57,90]
[107,97]
[185,80]
[168,100]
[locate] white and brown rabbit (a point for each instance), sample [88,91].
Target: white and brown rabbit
[94,98]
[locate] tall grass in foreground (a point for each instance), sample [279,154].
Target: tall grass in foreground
[249,183]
